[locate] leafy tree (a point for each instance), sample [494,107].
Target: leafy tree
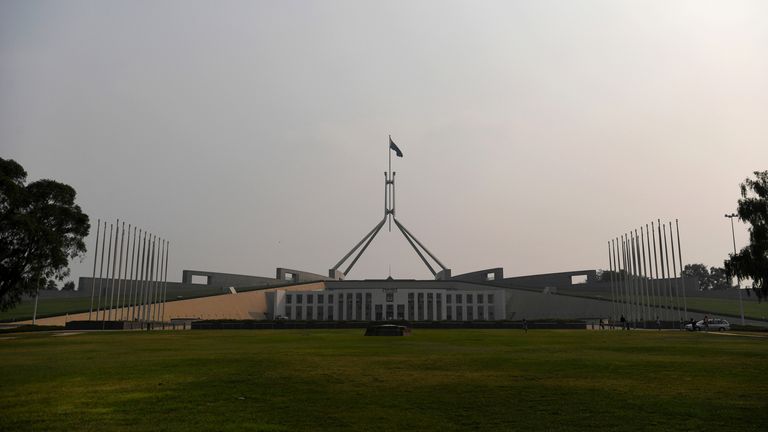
[69,286]
[698,271]
[51,286]
[718,279]
[752,261]
[41,229]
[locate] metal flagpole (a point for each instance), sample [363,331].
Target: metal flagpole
[150,286]
[626,276]
[165,277]
[114,266]
[121,298]
[669,275]
[106,286]
[610,269]
[118,306]
[639,272]
[674,273]
[638,279]
[651,281]
[645,275]
[145,294]
[135,284]
[682,279]
[140,287]
[657,289]
[158,285]
[617,276]
[663,281]
[630,259]
[129,284]
[93,278]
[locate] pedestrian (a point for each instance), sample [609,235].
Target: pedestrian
[525,325]
[624,323]
[693,325]
[658,323]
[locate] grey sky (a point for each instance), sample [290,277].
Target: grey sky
[253,134]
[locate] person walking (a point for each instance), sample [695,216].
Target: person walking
[525,325]
[624,323]
[658,323]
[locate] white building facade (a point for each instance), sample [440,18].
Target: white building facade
[384,304]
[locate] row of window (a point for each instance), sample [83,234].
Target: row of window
[449,298]
[391,312]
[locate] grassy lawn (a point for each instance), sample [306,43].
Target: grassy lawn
[47,306]
[752,308]
[442,380]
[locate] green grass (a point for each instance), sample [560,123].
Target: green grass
[46,306]
[458,380]
[752,308]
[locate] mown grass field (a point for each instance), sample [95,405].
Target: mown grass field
[442,380]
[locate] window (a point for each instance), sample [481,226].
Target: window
[288,312]
[449,313]
[490,298]
[390,312]
[299,298]
[320,299]
[320,312]
[359,306]
[288,276]
[448,299]
[459,316]
[458,298]
[401,312]
[288,299]
[349,307]
[368,299]
[310,298]
[479,299]
[420,306]
[340,312]
[330,311]
[199,280]
[579,279]
[469,298]
[379,316]
[481,313]
[490,276]
[390,296]
[491,315]
[430,308]
[411,308]
[330,298]
[439,298]
[470,316]
[309,312]
[298,313]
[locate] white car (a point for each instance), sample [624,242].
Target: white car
[712,324]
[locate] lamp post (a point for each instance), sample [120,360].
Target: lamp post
[733,234]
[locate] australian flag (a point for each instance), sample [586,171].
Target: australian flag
[393,146]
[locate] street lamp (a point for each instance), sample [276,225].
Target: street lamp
[733,234]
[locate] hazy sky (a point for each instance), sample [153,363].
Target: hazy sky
[253,134]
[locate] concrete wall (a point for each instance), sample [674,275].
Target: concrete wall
[488,275]
[297,276]
[245,305]
[225,279]
[562,279]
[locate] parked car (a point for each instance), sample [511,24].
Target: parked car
[714,324]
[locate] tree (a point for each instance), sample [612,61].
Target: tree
[752,261]
[51,286]
[698,271]
[41,229]
[69,286]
